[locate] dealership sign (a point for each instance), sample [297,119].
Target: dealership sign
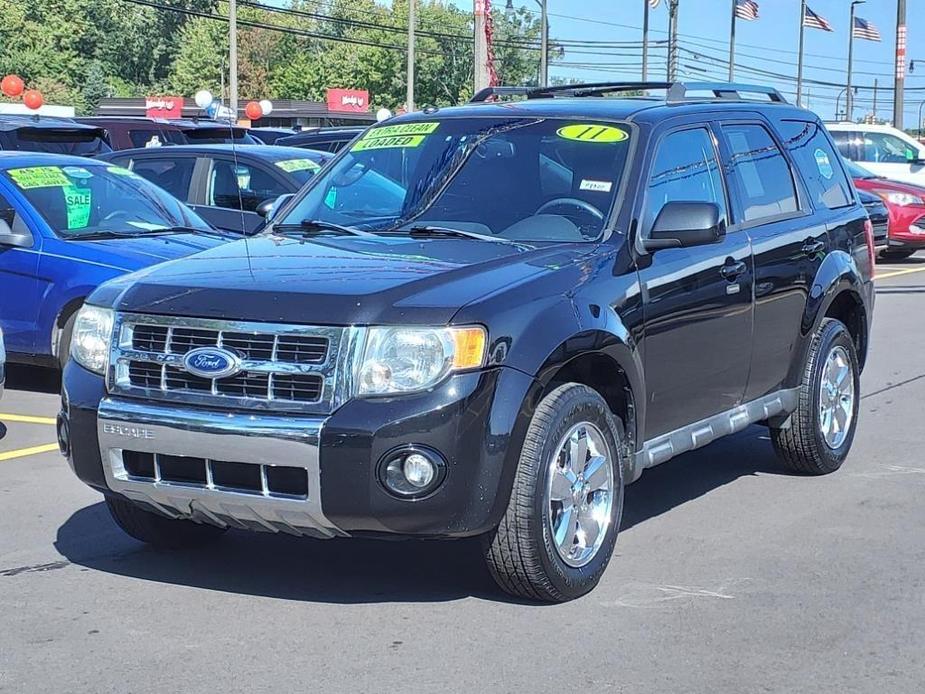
[164,106]
[348,100]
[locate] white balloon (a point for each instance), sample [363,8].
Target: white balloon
[203,98]
[383,114]
[266,106]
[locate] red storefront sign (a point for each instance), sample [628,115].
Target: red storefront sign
[348,100]
[164,106]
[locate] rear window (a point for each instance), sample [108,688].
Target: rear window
[219,135]
[155,137]
[85,143]
[818,163]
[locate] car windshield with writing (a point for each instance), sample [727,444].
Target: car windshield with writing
[514,179]
[101,201]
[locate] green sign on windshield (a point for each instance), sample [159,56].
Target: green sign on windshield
[39,177]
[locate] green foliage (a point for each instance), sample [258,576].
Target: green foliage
[80,51]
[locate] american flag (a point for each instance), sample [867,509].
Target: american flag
[863,29]
[815,21]
[747,10]
[653,3]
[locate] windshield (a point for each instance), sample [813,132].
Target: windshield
[521,179]
[858,171]
[94,199]
[84,142]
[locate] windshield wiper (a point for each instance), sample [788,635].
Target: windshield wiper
[427,230]
[134,233]
[317,226]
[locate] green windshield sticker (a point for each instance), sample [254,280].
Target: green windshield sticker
[292,165]
[397,142]
[78,204]
[330,200]
[119,171]
[403,129]
[39,177]
[589,132]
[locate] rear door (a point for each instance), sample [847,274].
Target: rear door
[231,190]
[697,302]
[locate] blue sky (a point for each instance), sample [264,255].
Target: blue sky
[767,44]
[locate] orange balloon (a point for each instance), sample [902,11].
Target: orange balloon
[253,110]
[12,85]
[33,99]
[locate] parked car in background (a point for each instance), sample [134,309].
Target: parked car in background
[126,132]
[49,134]
[2,377]
[882,149]
[324,139]
[879,216]
[906,206]
[225,184]
[269,136]
[66,225]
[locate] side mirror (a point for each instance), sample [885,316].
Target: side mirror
[683,224]
[269,208]
[14,239]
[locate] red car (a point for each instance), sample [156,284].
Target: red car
[906,204]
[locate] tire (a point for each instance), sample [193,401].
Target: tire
[897,254]
[803,447]
[157,530]
[521,552]
[64,340]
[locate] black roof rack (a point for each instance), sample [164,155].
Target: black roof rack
[675,91]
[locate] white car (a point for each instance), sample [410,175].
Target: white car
[882,149]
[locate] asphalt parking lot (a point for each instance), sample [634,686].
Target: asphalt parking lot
[730,576]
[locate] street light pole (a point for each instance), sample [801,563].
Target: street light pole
[849,102]
[409,97]
[233,57]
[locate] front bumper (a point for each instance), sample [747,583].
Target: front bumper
[476,421]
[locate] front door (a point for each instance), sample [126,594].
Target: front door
[19,286]
[697,301]
[233,192]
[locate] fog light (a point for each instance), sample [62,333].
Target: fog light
[412,471]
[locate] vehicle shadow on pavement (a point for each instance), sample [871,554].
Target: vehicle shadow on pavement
[34,379]
[357,571]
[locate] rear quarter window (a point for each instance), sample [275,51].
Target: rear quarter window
[818,164]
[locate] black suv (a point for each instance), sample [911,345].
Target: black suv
[50,134]
[485,321]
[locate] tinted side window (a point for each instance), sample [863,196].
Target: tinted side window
[173,175]
[760,173]
[685,169]
[229,181]
[882,148]
[817,163]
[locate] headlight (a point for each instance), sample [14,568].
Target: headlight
[900,198]
[409,359]
[91,338]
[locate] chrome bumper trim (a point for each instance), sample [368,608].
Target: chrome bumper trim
[258,439]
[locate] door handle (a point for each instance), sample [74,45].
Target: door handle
[813,246]
[732,271]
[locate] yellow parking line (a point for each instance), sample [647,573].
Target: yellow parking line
[897,273]
[25,418]
[32,450]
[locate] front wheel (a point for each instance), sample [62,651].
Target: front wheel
[822,427]
[156,530]
[897,254]
[562,520]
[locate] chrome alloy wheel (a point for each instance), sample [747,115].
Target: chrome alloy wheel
[836,397]
[580,494]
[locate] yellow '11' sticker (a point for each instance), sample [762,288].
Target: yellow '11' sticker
[590,132]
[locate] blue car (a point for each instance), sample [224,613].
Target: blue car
[67,224]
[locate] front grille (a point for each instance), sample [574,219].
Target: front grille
[285,367]
[267,480]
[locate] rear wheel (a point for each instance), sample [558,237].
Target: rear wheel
[561,524]
[822,427]
[897,254]
[159,531]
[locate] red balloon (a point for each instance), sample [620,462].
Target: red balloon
[12,85]
[33,99]
[253,110]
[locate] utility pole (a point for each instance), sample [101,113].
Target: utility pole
[876,86]
[800,62]
[900,82]
[544,45]
[481,47]
[672,40]
[732,43]
[233,57]
[645,41]
[849,96]
[409,98]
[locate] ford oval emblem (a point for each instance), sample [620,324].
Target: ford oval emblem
[211,362]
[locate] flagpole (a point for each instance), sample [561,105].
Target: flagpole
[849,100]
[800,62]
[645,41]
[732,43]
